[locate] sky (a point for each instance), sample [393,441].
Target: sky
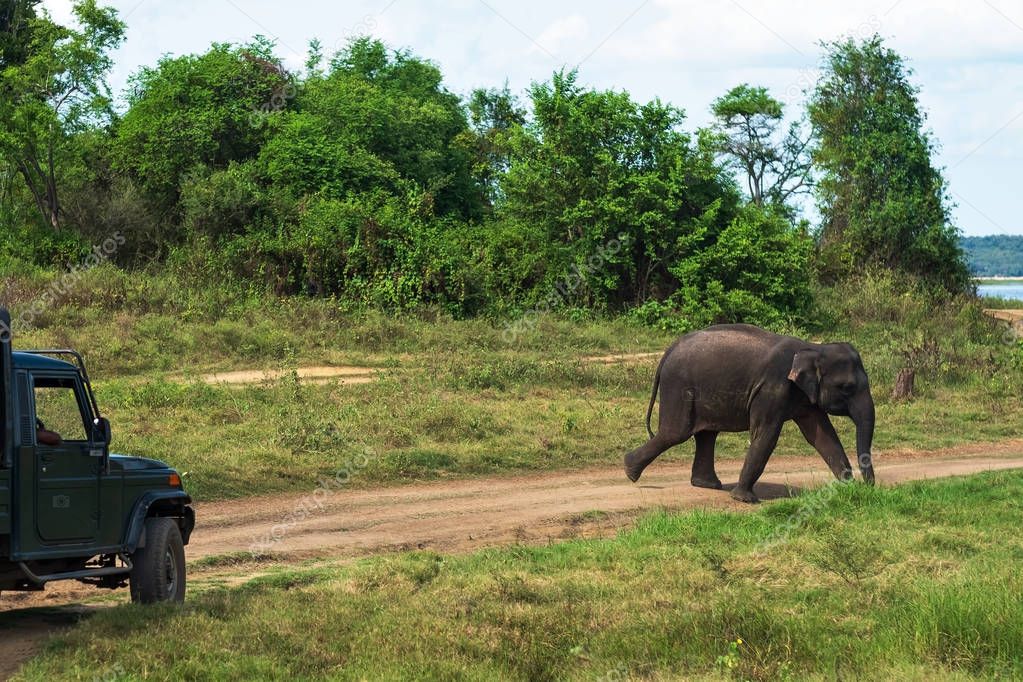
[967,57]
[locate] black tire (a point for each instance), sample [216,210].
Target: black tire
[158,569]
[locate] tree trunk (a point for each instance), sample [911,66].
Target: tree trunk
[904,384]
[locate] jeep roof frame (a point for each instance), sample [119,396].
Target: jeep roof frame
[79,363]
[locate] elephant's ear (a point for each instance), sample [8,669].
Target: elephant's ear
[804,373]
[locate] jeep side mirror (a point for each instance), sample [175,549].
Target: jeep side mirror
[101,431]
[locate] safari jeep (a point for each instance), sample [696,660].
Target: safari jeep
[70,510]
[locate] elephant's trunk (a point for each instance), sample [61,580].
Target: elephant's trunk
[862,412]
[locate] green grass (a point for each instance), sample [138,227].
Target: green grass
[916,582]
[456,397]
[999,303]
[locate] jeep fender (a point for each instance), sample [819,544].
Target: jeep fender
[171,503]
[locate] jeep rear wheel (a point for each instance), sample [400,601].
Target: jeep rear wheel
[158,569]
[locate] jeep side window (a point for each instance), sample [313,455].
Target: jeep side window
[58,410]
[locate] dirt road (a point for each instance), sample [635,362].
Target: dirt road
[459,516]
[464,515]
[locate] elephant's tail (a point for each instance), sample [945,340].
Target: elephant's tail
[653,394]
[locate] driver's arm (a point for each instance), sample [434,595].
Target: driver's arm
[45,437]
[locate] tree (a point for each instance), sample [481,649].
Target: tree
[757,271]
[394,106]
[748,123]
[376,120]
[199,113]
[493,115]
[593,167]
[53,86]
[882,200]
[16,22]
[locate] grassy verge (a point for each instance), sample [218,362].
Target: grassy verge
[461,397]
[999,303]
[916,582]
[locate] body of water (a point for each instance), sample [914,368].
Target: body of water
[1012,290]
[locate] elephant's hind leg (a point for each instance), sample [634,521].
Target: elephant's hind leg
[704,475]
[674,426]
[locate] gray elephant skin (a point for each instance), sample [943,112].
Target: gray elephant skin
[738,377]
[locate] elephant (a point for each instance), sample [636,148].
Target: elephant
[737,377]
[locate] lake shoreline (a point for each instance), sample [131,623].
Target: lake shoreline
[1005,289]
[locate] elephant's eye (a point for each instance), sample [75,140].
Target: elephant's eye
[847,388]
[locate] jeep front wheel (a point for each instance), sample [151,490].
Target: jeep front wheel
[158,569]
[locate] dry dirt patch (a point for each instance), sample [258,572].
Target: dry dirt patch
[461,516]
[344,375]
[351,375]
[1010,316]
[621,358]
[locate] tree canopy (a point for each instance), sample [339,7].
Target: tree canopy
[883,201]
[53,85]
[748,123]
[363,177]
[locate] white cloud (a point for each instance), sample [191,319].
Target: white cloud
[564,34]
[725,33]
[60,10]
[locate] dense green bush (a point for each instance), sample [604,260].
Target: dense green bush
[757,271]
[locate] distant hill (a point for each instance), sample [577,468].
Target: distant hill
[1000,254]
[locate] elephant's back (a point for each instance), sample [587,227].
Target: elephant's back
[729,339]
[723,354]
[719,368]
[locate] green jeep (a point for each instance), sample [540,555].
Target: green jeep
[70,510]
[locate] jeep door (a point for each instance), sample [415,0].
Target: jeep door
[67,475]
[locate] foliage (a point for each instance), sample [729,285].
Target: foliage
[618,192]
[16,29]
[883,201]
[747,123]
[494,115]
[363,179]
[53,86]
[195,112]
[376,120]
[757,271]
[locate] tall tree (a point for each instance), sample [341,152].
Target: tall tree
[882,200]
[493,114]
[378,119]
[748,124]
[53,87]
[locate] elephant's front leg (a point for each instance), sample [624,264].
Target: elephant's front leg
[763,438]
[820,433]
[704,475]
